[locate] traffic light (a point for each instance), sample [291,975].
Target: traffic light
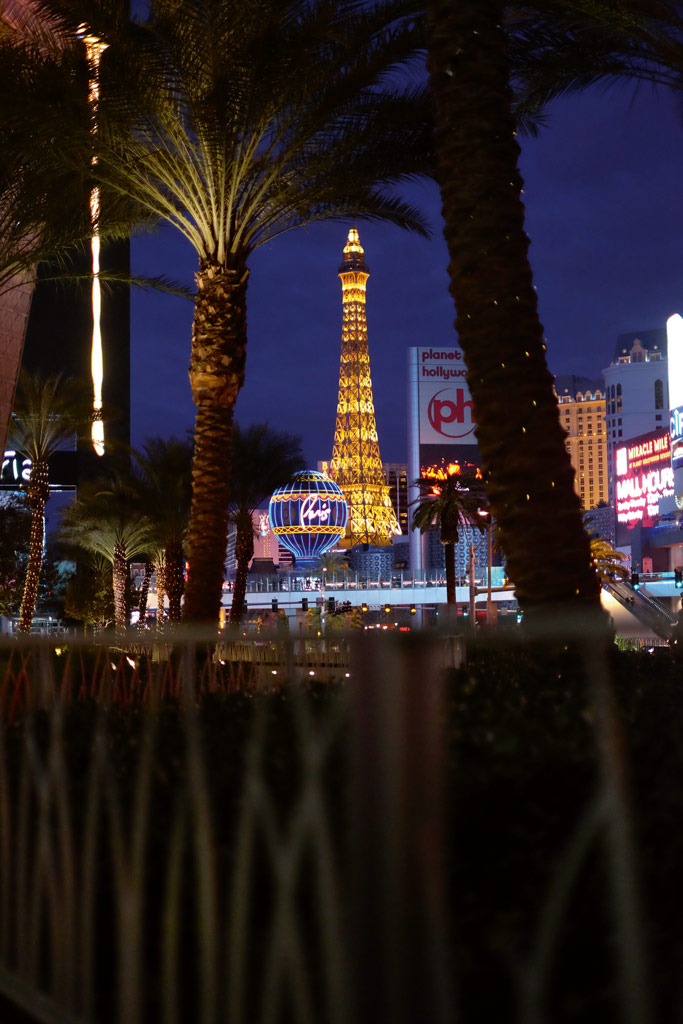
[331,604]
[363,607]
[413,609]
[678,576]
[273,604]
[635,581]
[387,608]
[304,604]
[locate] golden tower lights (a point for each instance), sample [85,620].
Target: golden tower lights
[94,48]
[356,464]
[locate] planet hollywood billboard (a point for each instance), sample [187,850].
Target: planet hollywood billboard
[440,411]
[643,476]
[440,420]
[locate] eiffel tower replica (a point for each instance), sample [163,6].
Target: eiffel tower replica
[356,463]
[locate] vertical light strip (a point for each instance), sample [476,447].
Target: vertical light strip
[94,48]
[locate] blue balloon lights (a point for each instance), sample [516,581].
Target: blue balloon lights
[308,515]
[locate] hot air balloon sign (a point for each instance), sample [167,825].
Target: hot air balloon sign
[308,515]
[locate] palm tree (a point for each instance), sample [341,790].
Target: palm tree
[529,477]
[45,172]
[607,561]
[244,121]
[476,48]
[562,46]
[450,504]
[106,519]
[162,474]
[331,563]
[89,597]
[47,413]
[262,460]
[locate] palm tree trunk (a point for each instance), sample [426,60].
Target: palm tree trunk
[217,363]
[37,493]
[161,589]
[528,473]
[449,558]
[119,576]
[244,551]
[174,579]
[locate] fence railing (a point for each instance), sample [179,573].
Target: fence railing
[181,842]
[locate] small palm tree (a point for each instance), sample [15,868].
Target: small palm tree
[162,475]
[331,563]
[89,597]
[262,460]
[450,504]
[607,561]
[106,519]
[47,413]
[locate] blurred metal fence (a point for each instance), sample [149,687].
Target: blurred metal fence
[307,896]
[91,930]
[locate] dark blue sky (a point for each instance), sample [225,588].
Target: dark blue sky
[605,218]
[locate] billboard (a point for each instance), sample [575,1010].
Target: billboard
[440,422]
[643,476]
[441,410]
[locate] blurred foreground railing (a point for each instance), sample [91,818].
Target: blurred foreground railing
[181,842]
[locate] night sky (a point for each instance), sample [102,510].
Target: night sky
[605,219]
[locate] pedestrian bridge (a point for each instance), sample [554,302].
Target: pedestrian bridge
[376,594]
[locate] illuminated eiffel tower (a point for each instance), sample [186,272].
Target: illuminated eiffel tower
[356,464]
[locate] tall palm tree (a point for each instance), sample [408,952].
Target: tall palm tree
[476,48]
[243,121]
[47,414]
[529,477]
[106,519]
[162,472]
[450,505]
[262,460]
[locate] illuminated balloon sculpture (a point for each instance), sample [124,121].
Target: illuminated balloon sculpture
[308,515]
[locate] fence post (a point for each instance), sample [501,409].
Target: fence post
[399,942]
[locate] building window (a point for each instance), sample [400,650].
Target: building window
[659,394]
[618,397]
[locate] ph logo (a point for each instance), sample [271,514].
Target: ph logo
[451,417]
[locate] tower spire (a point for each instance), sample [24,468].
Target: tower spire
[356,463]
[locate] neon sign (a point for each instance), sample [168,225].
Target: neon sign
[313,508]
[15,469]
[644,477]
